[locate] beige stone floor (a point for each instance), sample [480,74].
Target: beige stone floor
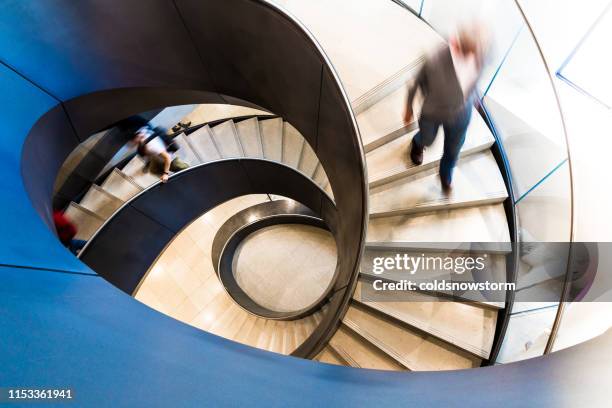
[286,267]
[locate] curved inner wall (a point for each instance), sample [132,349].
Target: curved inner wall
[286,268]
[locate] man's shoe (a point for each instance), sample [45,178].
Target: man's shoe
[446,186]
[416,154]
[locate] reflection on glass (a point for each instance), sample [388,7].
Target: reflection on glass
[544,213]
[590,66]
[527,334]
[524,108]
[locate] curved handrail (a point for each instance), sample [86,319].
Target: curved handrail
[248,216]
[512,259]
[225,271]
[276,183]
[132,239]
[567,283]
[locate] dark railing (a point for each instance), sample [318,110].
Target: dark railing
[243,52]
[128,243]
[225,269]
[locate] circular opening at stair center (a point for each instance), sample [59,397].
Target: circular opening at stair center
[285,268]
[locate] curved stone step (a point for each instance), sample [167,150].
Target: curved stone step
[185,152]
[136,171]
[222,324]
[233,328]
[271,131]
[244,332]
[204,145]
[359,353]
[320,177]
[412,349]
[308,160]
[120,185]
[391,161]
[464,326]
[226,139]
[100,202]
[327,355]
[476,181]
[487,223]
[248,132]
[384,121]
[379,92]
[293,143]
[85,221]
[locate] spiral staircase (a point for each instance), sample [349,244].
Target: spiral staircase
[314,159]
[407,206]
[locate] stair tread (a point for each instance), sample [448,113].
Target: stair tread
[133,165]
[120,185]
[414,350]
[185,152]
[303,329]
[203,144]
[236,324]
[86,222]
[271,131]
[222,322]
[135,169]
[100,202]
[474,224]
[320,177]
[360,353]
[213,309]
[248,132]
[226,139]
[308,160]
[384,121]
[245,329]
[289,339]
[276,334]
[476,181]
[390,161]
[328,356]
[293,142]
[400,78]
[465,326]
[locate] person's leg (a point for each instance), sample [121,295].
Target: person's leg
[178,165]
[76,245]
[424,137]
[454,137]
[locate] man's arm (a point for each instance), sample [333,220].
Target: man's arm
[167,161]
[416,85]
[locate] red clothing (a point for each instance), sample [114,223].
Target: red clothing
[65,228]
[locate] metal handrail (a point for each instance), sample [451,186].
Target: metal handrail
[566,284]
